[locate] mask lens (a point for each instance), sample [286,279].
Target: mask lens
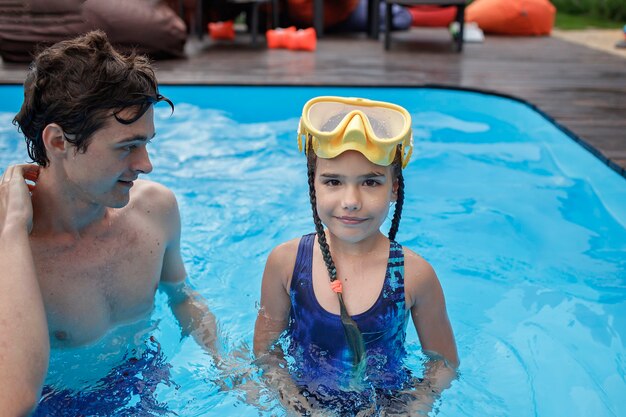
[326,116]
[386,123]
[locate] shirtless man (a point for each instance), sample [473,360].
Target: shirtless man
[102,240]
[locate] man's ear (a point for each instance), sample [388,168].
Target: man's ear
[54,140]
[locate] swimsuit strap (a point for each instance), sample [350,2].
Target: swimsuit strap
[304,257]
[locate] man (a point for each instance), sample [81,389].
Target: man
[102,240]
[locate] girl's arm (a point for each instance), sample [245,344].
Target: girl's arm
[275,303]
[272,321]
[428,311]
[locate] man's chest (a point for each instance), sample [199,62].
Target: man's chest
[91,284]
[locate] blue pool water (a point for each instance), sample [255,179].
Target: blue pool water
[526,230]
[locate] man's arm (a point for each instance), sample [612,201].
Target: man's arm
[188,306]
[193,315]
[24,343]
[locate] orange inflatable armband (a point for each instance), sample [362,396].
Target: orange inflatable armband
[279,37]
[303,40]
[222,30]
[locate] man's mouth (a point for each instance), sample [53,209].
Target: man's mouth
[126,183]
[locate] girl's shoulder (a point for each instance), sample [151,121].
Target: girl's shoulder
[414,263]
[286,251]
[281,261]
[420,278]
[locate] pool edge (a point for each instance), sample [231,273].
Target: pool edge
[582,142]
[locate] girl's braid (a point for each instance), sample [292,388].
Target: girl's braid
[319,227]
[395,222]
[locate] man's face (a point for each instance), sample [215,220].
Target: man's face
[115,157]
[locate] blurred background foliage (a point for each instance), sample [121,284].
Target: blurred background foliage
[601,10]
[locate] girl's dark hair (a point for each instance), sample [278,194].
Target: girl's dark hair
[353,334]
[77,84]
[397,214]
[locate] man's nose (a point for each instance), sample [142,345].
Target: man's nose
[141,161]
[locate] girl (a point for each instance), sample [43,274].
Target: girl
[344,293]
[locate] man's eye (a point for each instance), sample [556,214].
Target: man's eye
[132,146]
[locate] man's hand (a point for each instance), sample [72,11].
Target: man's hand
[16,209]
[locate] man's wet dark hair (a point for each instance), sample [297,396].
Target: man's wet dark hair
[78,84]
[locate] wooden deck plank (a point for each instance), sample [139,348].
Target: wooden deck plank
[583,89]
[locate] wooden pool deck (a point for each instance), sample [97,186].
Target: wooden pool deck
[583,89]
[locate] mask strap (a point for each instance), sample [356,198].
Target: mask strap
[300,134]
[409,151]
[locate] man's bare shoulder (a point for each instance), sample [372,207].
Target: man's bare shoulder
[150,190]
[149,195]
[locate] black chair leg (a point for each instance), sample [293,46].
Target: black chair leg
[373,18]
[460,18]
[274,14]
[388,26]
[255,22]
[318,17]
[199,20]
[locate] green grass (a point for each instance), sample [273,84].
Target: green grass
[614,10]
[567,21]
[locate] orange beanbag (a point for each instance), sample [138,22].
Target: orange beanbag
[301,11]
[432,16]
[512,17]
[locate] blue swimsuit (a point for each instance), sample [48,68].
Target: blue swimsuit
[322,360]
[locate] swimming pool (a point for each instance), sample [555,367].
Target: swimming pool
[525,228]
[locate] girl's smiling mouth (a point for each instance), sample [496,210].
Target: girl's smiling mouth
[350,220]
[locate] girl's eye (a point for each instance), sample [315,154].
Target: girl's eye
[371,183]
[332,183]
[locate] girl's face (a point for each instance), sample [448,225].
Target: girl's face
[353,195]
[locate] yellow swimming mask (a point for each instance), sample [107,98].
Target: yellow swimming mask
[373,128]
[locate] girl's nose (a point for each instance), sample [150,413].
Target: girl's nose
[351,199]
